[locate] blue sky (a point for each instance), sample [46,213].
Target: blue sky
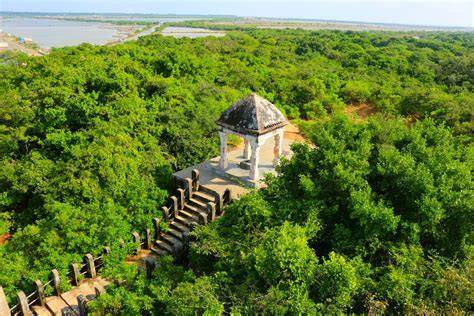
[416,12]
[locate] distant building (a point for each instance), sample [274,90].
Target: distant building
[24,40]
[3,45]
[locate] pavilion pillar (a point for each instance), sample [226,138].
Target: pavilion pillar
[254,160]
[223,160]
[277,150]
[247,149]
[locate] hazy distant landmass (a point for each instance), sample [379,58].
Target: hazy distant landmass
[240,20]
[405,12]
[46,30]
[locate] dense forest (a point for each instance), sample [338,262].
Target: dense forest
[376,217]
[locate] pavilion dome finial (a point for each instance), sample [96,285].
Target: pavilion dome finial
[252,115]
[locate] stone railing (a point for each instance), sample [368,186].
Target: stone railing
[90,265]
[77,272]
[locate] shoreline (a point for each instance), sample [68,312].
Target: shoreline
[11,42]
[14,45]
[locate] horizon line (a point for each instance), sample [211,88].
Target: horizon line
[239,16]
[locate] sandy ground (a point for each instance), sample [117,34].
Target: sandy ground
[4,238]
[14,45]
[292,132]
[360,112]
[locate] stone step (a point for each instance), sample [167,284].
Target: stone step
[198,203]
[184,221]
[39,311]
[86,289]
[176,233]
[164,246]
[160,252]
[203,196]
[56,304]
[195,211]
[101,284]
[179,226]
[185,214]
[70,297]
[172,241]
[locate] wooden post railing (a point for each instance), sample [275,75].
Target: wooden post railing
[174,203]
[166,213]
[136,242]
[156,227]
[211,211]
[56,282]
[41,297]
[4,308]
[91,264]
[181,199]
[23,304]
[147,241]
[195,179]
[189,188]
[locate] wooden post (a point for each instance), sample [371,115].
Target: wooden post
[150,266]
[98,292]
[90,265]
[166,213]
[195,178]
[182,201]
[203,219]
[174,201]
[228,195]
[40,292]
[106,250]
[56,282]
[211,211]
[76,274]
[189,187]
[82,304]
[4,308]
[23,303]
[219,203]
[156,226]
[147,239]
[136,241]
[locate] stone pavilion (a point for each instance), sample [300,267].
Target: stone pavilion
[255,120]
[261,125]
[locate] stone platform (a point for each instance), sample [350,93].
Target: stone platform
[234,177]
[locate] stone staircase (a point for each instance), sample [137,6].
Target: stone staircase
[72,302]
[196,211]
[194,205]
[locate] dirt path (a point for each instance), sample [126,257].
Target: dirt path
[15,46]
[4,238]
[360,112]
[292,132]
